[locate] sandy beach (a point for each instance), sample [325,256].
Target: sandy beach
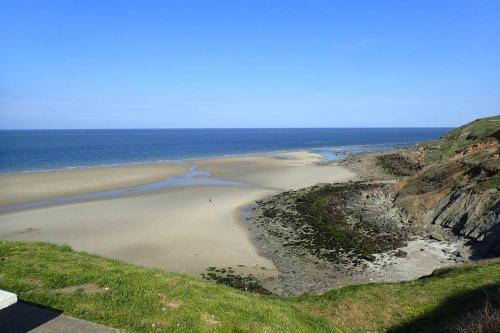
[178,228]
[32,186]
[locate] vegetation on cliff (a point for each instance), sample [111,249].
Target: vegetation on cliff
[463,138]
[458,190]
[450,187]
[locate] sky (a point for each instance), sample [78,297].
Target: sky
[235,63]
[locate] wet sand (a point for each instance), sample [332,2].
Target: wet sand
[176,228]
[31,186]
[423,256]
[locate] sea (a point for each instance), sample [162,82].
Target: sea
[41,150]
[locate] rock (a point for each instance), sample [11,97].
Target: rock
[401,254]
[436,236]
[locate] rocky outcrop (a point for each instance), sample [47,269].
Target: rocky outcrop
[450,188]
[471,215]
[324,236]
[357,218]
[330,235]
[457,194]
[412,210]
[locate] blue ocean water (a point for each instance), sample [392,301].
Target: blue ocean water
[30,150]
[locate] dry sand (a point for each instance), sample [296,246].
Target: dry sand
[277,172]
[175,228]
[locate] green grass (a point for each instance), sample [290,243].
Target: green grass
[140,299]
[433,304]
[152,300]
[463,137]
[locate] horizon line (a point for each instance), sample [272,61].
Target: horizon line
[215,128]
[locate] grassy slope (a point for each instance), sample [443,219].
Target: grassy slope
[463,137]
[141,300]
[439,153]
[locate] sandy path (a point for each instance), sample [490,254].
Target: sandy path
[175,228]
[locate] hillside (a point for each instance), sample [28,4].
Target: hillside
[149,300]
[483,131]
[454,191]
[444,191]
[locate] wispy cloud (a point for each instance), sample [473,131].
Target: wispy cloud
[361,43]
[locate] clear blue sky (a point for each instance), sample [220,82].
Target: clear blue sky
[234,63]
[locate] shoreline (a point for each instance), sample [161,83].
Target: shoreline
[34,186]
[315,150]
[175,228]
[164,171]
[190,178]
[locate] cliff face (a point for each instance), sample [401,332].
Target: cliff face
[472,215]
[456,192]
